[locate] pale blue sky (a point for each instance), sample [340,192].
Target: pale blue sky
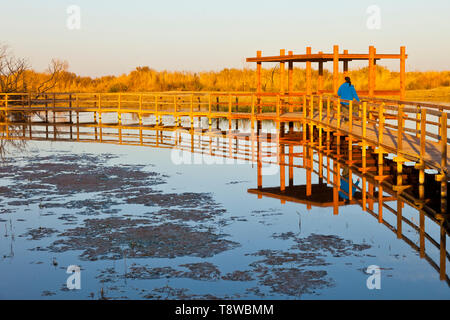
[197,35]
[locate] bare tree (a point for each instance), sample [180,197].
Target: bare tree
[54,72]
[12,71]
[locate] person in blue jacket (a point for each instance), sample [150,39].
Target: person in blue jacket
[344,189]
[347,92]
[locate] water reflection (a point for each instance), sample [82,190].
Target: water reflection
[334,178]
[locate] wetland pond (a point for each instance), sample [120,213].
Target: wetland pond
[140,226]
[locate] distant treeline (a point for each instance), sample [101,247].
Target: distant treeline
[145,79]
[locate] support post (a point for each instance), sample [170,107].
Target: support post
[291,165]
[402,72]
[335,69]
[371,71]
[308,74]
[282,71]
[290,83]
[282,169]
[399,218]
[443,254]
[423,120]
[308,172]
[444,163]
[320,79]
[258,81]
[259,164]
[345,65]
[258,90]
[282,82]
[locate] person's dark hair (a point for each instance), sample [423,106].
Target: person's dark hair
[347,79]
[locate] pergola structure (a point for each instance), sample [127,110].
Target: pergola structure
[336,57]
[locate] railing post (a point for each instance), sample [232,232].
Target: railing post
[30,115]
[253,112]
[119,114]
[417,121]
[209,111]
[364,145]
[443,253]
[320,127]
[364,121]
[304,118]
[140,109]
[77,103]
[381,124]
[328,125]
[156,110]
[70,114]
[6,115]
[423,136]
[350,117]
[400,146]
[230,107]
[6,106]
[400,128]
[339,114]
[311,124]
[46,113]
[100,116]
[54,108]
[444,162]
[100,109]
[278,106]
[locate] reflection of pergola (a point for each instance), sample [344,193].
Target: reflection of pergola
[372,57]
[321,196]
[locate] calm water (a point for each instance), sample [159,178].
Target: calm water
[142,227]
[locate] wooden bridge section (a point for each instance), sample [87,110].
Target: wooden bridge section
[408,131]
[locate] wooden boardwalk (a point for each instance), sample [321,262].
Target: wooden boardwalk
[408,131]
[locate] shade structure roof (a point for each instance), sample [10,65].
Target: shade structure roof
[321,57]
